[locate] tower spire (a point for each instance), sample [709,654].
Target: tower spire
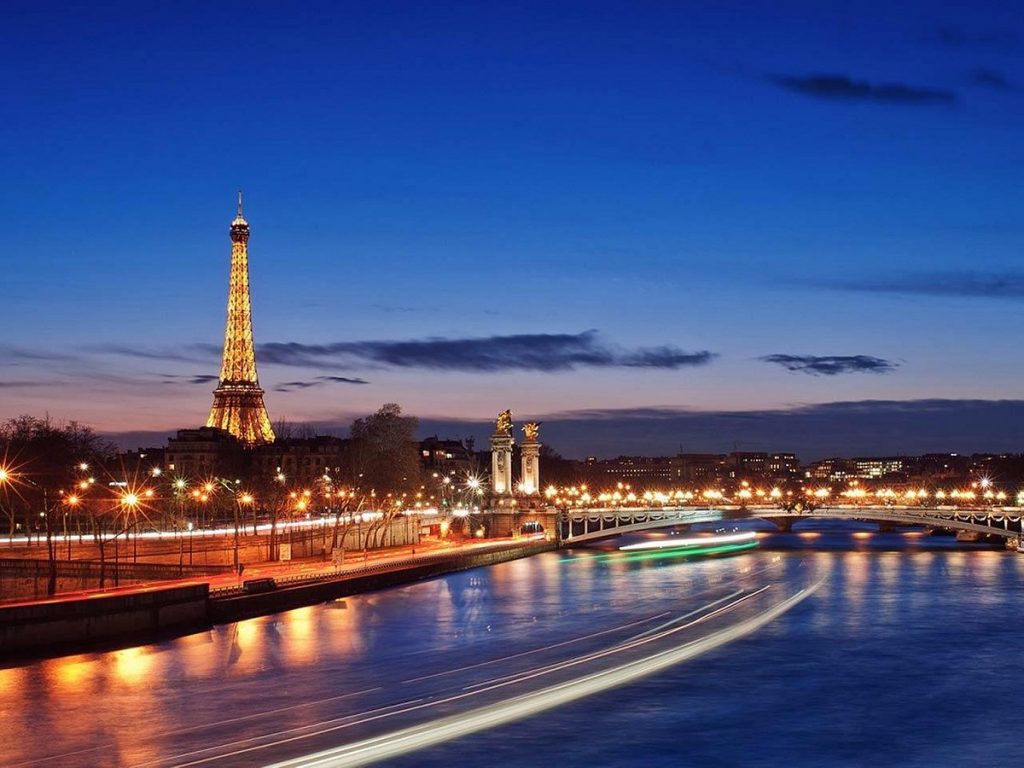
[238,400]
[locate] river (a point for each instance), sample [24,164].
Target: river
[871,649]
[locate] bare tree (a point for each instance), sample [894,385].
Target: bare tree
[46,458]
[385,453]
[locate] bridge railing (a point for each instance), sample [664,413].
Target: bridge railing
[577,524]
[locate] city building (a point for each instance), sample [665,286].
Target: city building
[202,453]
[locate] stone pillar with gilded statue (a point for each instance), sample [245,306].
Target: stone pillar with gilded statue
[529,479]
[501,455]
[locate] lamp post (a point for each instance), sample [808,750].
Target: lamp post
[72,501]
[129,503]
[240,499]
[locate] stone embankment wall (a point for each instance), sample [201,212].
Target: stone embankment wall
[223,610]
[48,627]
[69,625]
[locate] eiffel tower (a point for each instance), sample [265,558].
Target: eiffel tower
[238,400]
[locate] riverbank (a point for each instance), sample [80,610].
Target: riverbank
[93,621]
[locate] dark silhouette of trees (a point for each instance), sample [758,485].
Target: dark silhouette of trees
[386,462]
[45,461]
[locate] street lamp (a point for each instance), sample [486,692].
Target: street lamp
[247,499]
[72,500]
[130,502]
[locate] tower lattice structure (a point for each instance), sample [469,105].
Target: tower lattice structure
[238,400]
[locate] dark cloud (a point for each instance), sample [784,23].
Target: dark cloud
[291,386]
[526,352]
[529,352]
[843,88]
[831,365]
[342,380]
[992,285]
[24,384]
[198,378]
[991,79]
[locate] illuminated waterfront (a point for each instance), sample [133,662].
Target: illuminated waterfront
[889,644]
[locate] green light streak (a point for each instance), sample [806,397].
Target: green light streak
[688,551]
[684,551]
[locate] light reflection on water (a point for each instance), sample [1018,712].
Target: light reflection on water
[891,651]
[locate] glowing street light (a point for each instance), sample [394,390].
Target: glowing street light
[247,499]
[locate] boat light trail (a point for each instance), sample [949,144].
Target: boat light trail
[400,742]
[728,538]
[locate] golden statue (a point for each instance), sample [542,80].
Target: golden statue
[504,423]
[530,429]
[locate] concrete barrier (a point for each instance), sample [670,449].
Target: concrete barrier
[46,627]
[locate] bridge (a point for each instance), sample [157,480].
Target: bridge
[579,525]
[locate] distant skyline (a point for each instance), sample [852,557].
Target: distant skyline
[790,227]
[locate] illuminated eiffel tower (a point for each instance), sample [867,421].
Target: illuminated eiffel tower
[238,400]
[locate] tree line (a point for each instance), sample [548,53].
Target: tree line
[64,478]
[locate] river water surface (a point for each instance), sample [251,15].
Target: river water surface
[845,657]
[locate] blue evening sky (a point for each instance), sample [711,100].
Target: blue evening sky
[834,186]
